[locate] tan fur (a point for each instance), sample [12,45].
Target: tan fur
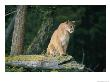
[60,38]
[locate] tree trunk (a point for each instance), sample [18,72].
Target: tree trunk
[18,33]
[41,40]
[45,62]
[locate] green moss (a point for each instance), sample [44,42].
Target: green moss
[24,58]
[35,58]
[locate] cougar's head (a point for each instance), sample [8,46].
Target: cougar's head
[69,26]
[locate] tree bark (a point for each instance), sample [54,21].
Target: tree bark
[40,41]
[18,33]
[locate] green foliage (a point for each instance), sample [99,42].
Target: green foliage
[14,69]
[10,68]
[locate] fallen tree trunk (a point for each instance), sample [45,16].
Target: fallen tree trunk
[44,62]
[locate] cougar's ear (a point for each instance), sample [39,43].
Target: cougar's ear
[67,22]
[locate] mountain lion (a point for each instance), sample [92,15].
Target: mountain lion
[60,38]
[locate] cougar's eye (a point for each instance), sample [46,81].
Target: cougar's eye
[71,26]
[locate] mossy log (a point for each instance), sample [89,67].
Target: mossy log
[45,62]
